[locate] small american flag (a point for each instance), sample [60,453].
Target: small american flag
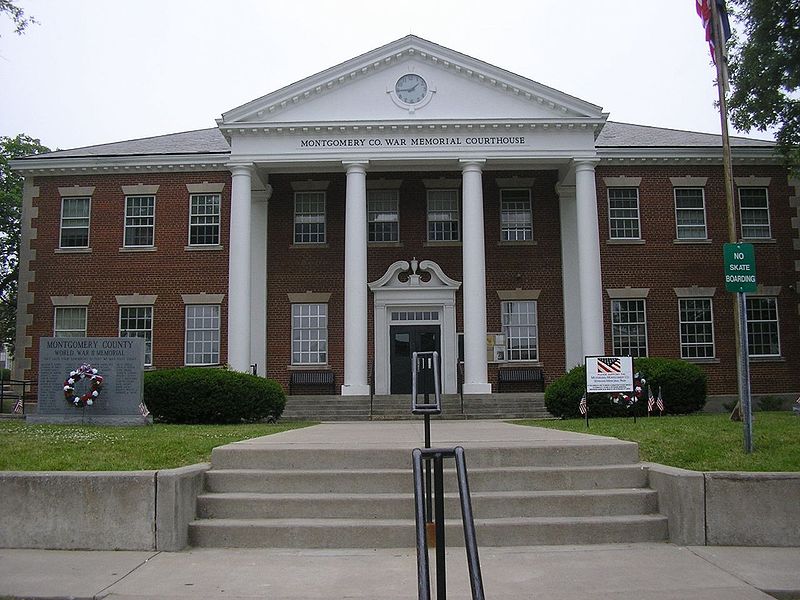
[18,406]
[582,407]
[651,401]
[143,409]
[608,365]
[659,401]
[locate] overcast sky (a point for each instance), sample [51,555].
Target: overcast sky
[95,71]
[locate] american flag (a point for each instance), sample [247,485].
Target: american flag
[18,406]
[582,407]
[651,401]
[608,365]
[659,401]
[703,8]
[143,409]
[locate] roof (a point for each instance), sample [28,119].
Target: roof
[627,135]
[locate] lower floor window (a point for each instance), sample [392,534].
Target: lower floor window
[697,328]
[628,328]
[521,330]
[762,327]
[309,334]
[70,321]
[202,334]
[137,321]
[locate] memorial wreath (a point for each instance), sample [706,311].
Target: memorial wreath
[85,371]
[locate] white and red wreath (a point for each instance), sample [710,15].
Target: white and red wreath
[85,371]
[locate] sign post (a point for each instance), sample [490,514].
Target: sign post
[740,277]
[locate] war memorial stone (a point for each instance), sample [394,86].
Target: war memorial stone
[91,380]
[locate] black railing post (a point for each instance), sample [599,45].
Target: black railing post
[423,569]
[470,540]
[438,492]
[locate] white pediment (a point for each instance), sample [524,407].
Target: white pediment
[461,89]
[404,275]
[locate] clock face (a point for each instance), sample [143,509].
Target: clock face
[411,88]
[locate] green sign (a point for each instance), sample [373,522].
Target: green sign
[740,267]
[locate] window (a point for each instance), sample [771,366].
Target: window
[140,218]
[202,334]
[623,213]
[754,207]
[309,217]
[70,321]
[516,220]
[309,334]
[762,327]
[521,330]
[75,222]
[628,328]
[690,214]
[697,328]
[204,219]
[382,216]
[137,321]
[443,218]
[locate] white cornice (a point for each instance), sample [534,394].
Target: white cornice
[691,155]
[121,164]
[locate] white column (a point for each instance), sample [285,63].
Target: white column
[474,286]
[239,269]
[355,282]
[591,288]
[258,279]
[570,282]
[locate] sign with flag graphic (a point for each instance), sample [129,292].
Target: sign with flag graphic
[608,374]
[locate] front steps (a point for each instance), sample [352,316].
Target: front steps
[558,493]
[398,407]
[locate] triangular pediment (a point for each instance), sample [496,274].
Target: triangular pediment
[460,89]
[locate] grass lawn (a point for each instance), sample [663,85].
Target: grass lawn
[702,442]
[102,448]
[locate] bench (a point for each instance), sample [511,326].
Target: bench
[318,379]
[518,375]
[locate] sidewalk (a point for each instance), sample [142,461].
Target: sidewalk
[612,572]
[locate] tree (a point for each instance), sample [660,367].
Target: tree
[765,72]
[17,15]
[10,212]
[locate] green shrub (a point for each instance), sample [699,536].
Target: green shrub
[5,374]
[770,403]
[211,396]
[683,388]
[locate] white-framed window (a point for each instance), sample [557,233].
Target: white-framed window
[309,217]
[762,326]
[75,222]
[696,327]
[623,213]
[520,326]
[629,327]
[137,321]
[754,212]
[140,220]
[309,334]
[69,321]
[690,214]
[202,334]
[443,216]
[516,216]
[383,222]
[204,214]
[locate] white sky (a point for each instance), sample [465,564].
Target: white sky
[96,71]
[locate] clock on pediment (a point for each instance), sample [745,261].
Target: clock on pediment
[411,91]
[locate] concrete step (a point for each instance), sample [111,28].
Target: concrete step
[377,481]
[485,505]
[399,533]
[247,456]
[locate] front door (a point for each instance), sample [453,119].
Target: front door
[403,341]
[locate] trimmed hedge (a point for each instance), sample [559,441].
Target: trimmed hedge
[193,395]
[683,388]
[5,374]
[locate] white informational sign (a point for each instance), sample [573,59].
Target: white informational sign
[609,374]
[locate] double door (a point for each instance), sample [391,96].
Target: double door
[404,340]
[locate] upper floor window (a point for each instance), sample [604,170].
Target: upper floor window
[202,334]
[443,216]
[623,213]
[521,329]
[690,214]
[204,211]
[309,334]
[516,219]
[137,321]
[140,220]
[75,222]
[383,216]
[629,327]
[69,321]
[309,217]
[696,328]
[762,326]
[754,209]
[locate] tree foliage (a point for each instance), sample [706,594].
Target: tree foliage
[765,71]
[10,212]
[17,15]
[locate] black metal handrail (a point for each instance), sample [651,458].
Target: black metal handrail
[25,390]
[437,456]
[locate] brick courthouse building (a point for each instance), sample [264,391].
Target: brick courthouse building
[411,198]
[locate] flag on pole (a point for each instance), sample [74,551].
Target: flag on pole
[143,409]
[651,401]
[18,406]
[582,407]
[703,8]
[660,401]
